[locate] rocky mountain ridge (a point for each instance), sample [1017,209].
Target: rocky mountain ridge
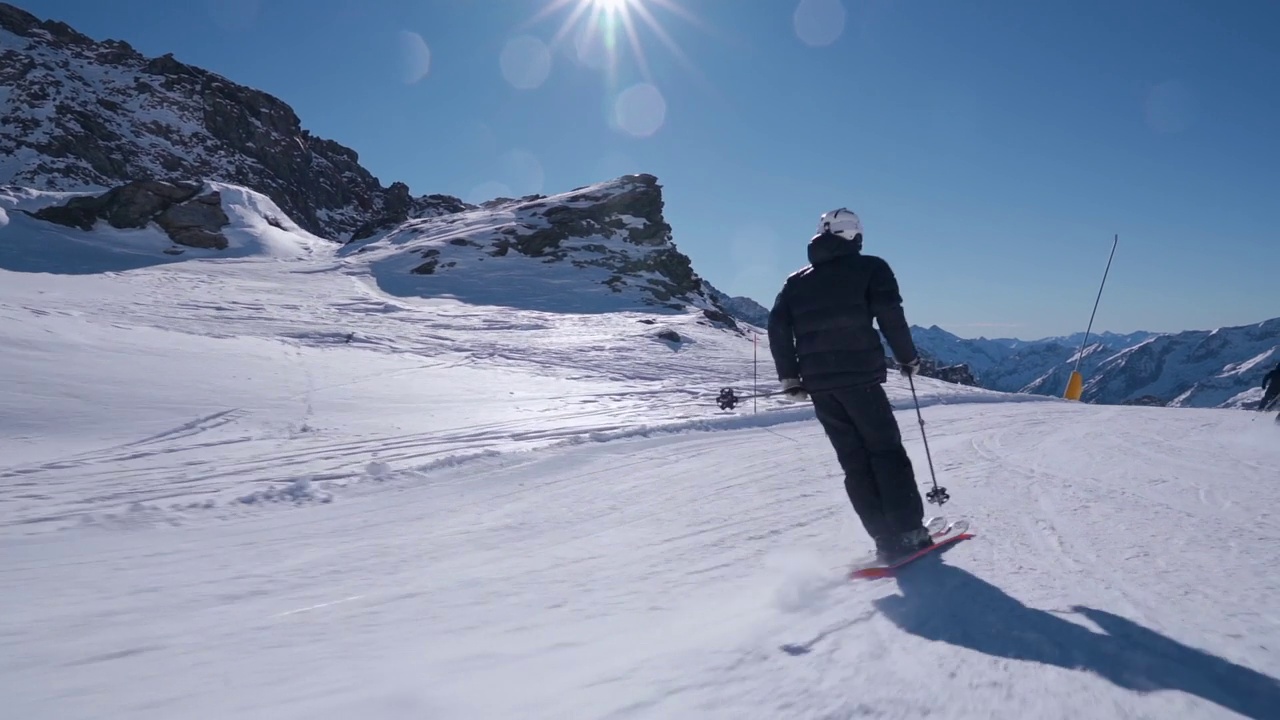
[138,137]
[596,248]
[741,307]
[79,114]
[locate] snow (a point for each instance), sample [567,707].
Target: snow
[263,486]
[19,198]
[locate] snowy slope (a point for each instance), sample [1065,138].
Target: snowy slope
[265,487]
[679,575]
[302,361]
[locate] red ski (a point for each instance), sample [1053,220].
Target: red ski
[955,533]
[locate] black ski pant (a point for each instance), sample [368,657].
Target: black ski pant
[878,475]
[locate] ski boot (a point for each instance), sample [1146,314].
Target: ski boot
[891,548]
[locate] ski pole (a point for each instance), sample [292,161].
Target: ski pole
[937,495]
[728,399]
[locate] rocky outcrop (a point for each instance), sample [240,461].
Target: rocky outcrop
[616,227]
[79,113]
[742,308]
[719,317]
[960,374]
[187,217]
[1145,401]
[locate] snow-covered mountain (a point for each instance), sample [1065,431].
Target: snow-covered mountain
[1195,368]
[601,248]
[78,114]
[134,143]
[1217,368]
[743,308]
[1107,338]
[979,355]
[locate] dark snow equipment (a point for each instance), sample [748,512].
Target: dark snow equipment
[938,495]
[953,532]
[728,399]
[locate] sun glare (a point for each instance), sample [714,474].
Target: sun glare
[602,26]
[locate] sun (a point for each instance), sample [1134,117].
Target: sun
[607,22]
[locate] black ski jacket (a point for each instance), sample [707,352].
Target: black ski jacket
[820,327]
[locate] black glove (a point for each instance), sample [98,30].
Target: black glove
[910,368]
[794,390]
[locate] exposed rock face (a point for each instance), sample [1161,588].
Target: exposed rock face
[186,217]
[196,223]
[720,317]
[742,308]
[76,113]
[614,231]
[958,374]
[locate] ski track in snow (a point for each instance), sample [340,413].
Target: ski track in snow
[317,361]
[261,488]
[662,577]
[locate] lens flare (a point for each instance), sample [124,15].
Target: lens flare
[603,26]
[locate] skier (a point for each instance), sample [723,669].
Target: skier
[1270,388]
[826,349]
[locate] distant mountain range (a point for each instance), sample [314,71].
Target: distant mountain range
[1195,368]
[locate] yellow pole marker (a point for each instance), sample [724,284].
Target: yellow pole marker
[1075,385]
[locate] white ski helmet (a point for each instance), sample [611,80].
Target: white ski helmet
[842,222]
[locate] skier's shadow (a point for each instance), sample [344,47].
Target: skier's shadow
[944,603]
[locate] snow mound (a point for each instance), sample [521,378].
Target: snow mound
[257,228]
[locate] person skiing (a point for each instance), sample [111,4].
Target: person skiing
[826,349]
[1270,388]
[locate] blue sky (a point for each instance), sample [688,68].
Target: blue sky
[991,148]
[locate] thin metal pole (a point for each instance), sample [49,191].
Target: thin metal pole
[1085,341]
[932,475]
[755,370]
